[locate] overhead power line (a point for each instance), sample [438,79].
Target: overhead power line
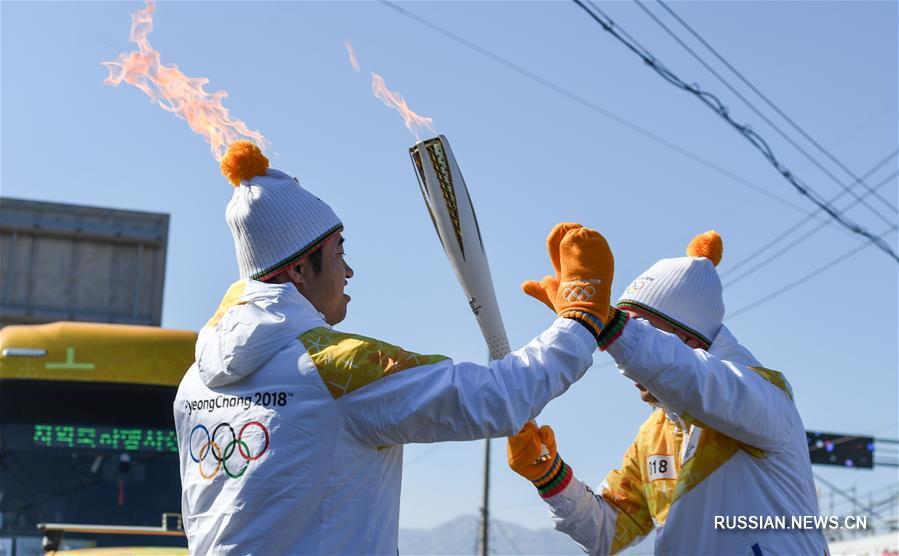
[590,105]
[876,501]
[887,220]
[506,536]
[795,243]
[846,495]
[878,115]
[422,455]
[818,271]
[596,108]
[770,103]
[786,233]
[712,102]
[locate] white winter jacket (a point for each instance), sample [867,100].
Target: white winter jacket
[290,433]
[728,443]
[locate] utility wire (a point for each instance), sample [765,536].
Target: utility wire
[842,258]
[711,101]
[591,105]
[422,455]
[864,124]
[879,504]
[770,103]
[795,243]
[502,531]
[846,495]
[887,220]
[586,103]
[783,235]
[870,494]
[83,483]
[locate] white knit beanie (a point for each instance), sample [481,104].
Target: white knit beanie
[685,291]
[274,221]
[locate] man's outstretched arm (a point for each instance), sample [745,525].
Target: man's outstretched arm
[396,397]
[728,397]
[447,401]
[600,524]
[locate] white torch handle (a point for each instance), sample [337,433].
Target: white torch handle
[449,204]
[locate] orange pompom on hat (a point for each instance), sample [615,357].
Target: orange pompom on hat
[243,161]
[685,291]
[707,245]
[274,221]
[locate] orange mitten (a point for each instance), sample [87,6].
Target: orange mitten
[586,267]
[581,287]
[550,476]
[544,291]
[554,241]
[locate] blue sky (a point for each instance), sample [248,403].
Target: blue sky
[531,157]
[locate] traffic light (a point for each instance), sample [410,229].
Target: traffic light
[844,450]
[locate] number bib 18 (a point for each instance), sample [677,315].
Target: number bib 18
[661,467]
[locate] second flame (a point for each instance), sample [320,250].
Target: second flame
[413,121]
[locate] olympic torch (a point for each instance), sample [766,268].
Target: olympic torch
[449,204]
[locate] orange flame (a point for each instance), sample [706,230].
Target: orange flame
[352,53]
[175,92]
[413,121]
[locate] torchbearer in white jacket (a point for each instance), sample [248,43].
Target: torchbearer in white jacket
[726,440]
[290,433]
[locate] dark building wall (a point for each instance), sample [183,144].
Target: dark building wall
[79,263]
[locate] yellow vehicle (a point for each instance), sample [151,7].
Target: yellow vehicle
[87,432]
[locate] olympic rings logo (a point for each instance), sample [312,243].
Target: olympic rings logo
[633,288]
[237,444]
[578,293]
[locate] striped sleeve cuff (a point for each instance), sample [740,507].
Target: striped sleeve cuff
[585,319]
[555,479]
[605,334]
[613,329]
